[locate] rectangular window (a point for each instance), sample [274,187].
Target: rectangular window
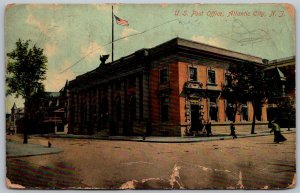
[105,88]
[164,106]
[230,111]
[211,76]
[132,81]
[163,75]
[245,112]
[213,109]
[228,79]
[118,85]
[193,74]
[259,113]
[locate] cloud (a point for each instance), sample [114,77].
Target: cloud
[92,50]
[127,31]
[50,28]
[50,49]
[55,80]
[31,20]
[213,41]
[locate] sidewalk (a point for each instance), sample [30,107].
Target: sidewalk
[156,139]
[16,149]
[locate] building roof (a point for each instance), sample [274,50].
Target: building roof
[288,61]
[64,87]
[61,110]
[217,50]
[14,107]
[283,60]
[51,94]
[176,45]
[280,74]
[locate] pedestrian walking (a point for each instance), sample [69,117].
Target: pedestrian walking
[208,128]
[278,137]
[201,126]
[49,144]
[232,131]
[144,137]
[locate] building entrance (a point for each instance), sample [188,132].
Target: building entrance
[195,114]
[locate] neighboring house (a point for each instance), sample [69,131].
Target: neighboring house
[164,90]
[48,112]
[53,108]
[7,122]
[287,67]
[14,119]
[283,107]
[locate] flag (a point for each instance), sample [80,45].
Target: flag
[121,21]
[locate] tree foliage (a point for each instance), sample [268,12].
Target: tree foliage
[26,69]
[233,92]
[247,82]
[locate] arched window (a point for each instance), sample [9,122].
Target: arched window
[104,109]
[118,110]
[132,106]
[118,85]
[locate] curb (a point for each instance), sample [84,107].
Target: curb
[30,155]
[228,137]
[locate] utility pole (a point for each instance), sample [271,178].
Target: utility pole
[112,31]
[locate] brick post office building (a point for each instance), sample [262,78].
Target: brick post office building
[162,91]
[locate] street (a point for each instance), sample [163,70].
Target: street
[249,163]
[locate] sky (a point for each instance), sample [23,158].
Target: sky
[73,36]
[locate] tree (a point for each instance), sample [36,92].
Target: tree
[26,69]
[287,105]
[247,83]
[232,92]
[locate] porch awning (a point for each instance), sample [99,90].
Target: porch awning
[61,110]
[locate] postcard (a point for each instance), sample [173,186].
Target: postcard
[150,96]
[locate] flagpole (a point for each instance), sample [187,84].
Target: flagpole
[112,31]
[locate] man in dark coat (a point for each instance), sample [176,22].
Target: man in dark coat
[208,128]
[232,131]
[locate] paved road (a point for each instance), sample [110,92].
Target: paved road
[250,163]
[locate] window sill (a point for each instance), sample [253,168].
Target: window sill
[163,86]
[211,84]
[164,83]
